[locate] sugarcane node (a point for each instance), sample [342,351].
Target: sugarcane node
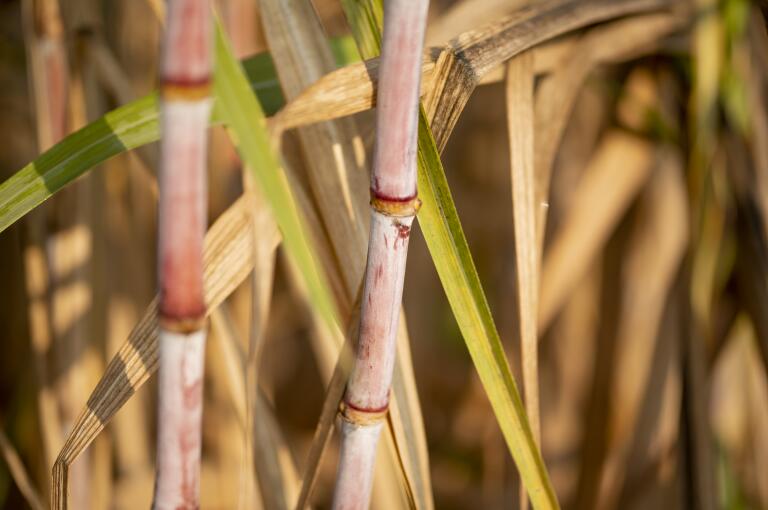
[362,417]
[185,90]
[185,325]
[395,207]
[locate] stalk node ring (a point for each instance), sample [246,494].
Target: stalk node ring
[185,90]
[395,207]
[362,417]
[183,326]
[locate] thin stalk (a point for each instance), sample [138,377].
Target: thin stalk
[19,473]
[394,204]
[48,76]
[58,257]
[520,113]
[185,108]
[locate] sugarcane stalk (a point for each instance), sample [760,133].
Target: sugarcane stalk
[49,79]
[185,108]
[394,203]
[51,87]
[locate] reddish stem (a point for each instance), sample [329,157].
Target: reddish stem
[394,205]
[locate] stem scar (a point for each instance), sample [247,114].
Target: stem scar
[403,233]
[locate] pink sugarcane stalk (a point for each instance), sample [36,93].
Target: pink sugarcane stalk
[394,204]
[185,108]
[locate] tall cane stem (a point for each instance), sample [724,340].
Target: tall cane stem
[394,204]
[185,107]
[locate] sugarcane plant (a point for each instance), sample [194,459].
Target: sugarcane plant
[185,108]
[394,204]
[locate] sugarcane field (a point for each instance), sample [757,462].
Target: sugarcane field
[384,254]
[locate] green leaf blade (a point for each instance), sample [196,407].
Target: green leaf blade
[240,110]
[450,253]
[125,128]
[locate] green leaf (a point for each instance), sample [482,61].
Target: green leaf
[125,128]
[450,253]
[241,112]
[365,18]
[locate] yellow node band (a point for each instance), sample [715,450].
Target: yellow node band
[396,208]
[362,418]
[185,91]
